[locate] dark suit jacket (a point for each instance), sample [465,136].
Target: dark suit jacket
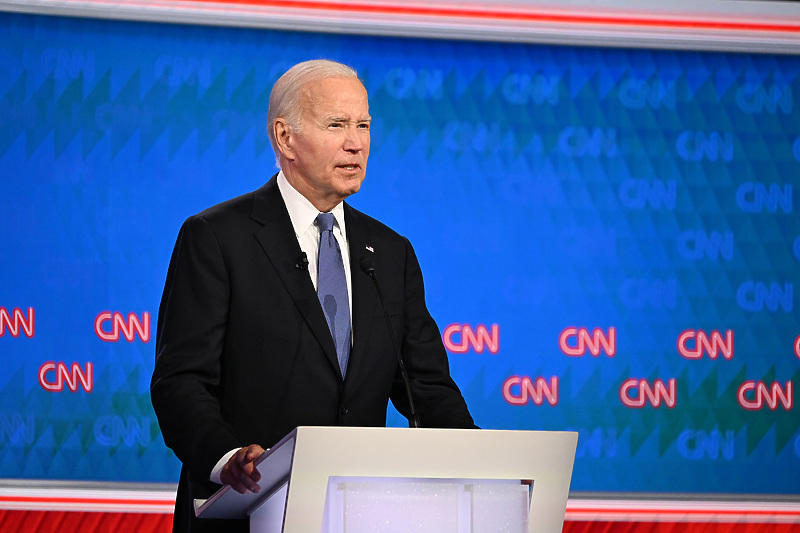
[244,355]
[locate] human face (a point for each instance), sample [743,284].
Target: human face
[325,159]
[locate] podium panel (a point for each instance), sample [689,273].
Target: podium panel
[384,505]
[480,468]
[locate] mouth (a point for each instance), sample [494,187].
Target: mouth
[350,167]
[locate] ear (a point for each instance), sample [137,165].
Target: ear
[283,138]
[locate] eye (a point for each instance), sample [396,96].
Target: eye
[364,126]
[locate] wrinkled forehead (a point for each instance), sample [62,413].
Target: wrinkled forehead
[336,96]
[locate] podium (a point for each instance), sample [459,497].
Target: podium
[346,479]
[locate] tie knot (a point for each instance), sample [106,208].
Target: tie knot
[325,222]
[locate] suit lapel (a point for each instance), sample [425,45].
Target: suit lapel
[365,299]
[278,241]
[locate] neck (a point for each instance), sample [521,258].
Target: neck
[322,203]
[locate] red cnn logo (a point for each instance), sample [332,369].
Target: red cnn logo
[713,346]
[584,341]
[770,395]
[797,346]
[479,339]
[52,377]
[647,393]
[129,327]
[518,390]
[15,322]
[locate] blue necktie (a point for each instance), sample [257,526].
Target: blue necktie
[332,288]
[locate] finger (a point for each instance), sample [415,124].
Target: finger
[243,471]
[253,452]
[249,480]
[247,462]
[239,476]
[233,478]
[240,481]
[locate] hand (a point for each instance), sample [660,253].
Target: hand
[240,472]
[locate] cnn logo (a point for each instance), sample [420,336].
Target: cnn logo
[636,393]
[577,342]
[111,327]
[16,323]
[519,390]
[460,338]
[692,344]
[53,376]
[755,395]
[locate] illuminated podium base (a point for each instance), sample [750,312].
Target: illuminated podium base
[370,480]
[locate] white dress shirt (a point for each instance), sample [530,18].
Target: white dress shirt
[303,215]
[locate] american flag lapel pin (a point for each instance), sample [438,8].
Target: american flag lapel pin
[368,247]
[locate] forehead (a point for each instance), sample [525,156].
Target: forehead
[336,96]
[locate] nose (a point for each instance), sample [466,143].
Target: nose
[352,140]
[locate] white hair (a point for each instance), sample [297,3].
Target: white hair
[286,95]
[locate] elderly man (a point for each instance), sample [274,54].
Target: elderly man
[270,318]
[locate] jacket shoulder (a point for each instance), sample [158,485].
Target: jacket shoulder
[372,226]
[240,208]
[240,205]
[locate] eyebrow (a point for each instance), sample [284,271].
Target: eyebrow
[343,119]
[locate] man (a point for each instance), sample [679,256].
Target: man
[256,338]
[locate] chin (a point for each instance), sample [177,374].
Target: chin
[352,186]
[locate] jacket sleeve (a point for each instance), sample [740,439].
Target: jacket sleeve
[437,399]
[192,321]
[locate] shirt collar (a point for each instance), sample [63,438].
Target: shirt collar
[301,211]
